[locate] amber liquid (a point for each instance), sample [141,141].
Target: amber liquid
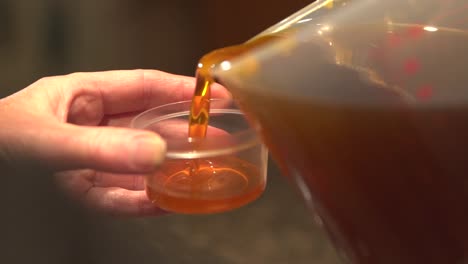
[214,185]
[207,185]
[376,135]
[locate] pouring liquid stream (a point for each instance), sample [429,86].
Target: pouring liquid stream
[233,169]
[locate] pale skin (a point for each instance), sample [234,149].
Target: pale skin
[77,125]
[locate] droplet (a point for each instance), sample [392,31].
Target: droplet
[425,92]
[412,66]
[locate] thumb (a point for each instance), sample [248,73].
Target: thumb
[109,149]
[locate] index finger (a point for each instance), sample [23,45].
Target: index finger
[135,90]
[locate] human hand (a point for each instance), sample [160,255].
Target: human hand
[75,125]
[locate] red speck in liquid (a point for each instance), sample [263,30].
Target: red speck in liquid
[415,31]
[425,92]
[412,66]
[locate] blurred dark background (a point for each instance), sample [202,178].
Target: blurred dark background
[50,37]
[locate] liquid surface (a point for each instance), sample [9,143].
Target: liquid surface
[218,184]
[372,122]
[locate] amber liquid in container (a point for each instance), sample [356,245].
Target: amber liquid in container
[213,184]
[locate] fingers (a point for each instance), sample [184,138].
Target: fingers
[119,195]
[76,183]
[101,148]
[134,182]
[110,149]
[121,202]
[135,90]
[79,182]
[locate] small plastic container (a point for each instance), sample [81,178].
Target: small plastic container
[224,171]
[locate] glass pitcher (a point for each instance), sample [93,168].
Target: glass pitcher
[364,105]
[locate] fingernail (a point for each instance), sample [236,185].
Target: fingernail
[148,151]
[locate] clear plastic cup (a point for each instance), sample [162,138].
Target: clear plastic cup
[221,172]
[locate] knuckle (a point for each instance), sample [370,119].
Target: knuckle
[76,79]
[46,79]
[75,75]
